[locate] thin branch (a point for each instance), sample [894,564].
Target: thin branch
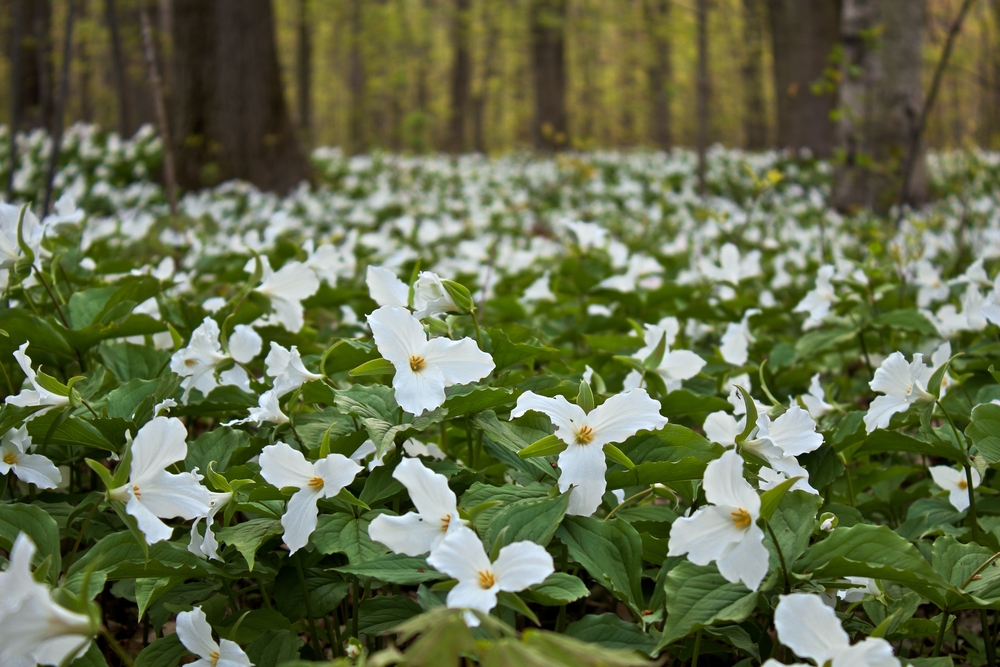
[169,174]
[57,124]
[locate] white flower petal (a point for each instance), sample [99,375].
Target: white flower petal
[583,467]
[882,409]
[705,535]
[283,466]
[38,470]
[746,560]
[385,288]
[159,443]
[624,415]
[398,335]
[337,471]
[151,526]
[195,633]
[522,564]
[428,490]
[724,484]
[299,519]
[809,627]
[409,534]
[460,361]
[418,392]
[169,495]
[468,594]
[565,416]
[460,555]
[244,344]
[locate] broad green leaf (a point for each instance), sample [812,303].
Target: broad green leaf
[984,431]
[770,499]
[326,591]
[36,523]
[814,342]
[550,445]
[374,367]
[248,536]
[395,569]
[382,614]
[342,533]
[609,631]
[882,440]
[558,589]
[532,520]
[657,472]
[611,551]
[274,647]
[166,651]
[698,596]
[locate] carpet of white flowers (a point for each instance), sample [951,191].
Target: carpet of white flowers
[500,411]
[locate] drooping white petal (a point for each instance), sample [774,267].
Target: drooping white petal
[419,392]
[398,335]
[809,627]
[151,526]
[159,443]
[722,428]
[244,344]
[428,490]
[460,555]
[196,634]
[793,432]
[336,471]
[385,288]
[583,467]
[724,484]
[169,495]
[872,652]
[745,560]
[893,376]
[283,466]
[624,415]
[522,564]
[705,535]
[38,470]
[468,594]
[680,365]
[410,534]
[565,416]
[287,287]
[231,655]
[300,517]
[882,409]
[460,361]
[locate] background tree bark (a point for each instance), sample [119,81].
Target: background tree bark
[804,34]
[754,107]
[548,47]
[119,68]
[231,120]
[660,73]
[881,97]
[33,90]
[357,140]
[303,73]
[703,92]
[461,76]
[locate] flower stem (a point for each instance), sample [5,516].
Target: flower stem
[940,637]
[475,324]
[309,614]
[627,501]
[980,569]
[959,440]
[116,647]
[781,556]
[697,649]
[991,655]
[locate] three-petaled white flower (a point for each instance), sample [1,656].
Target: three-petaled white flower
[285,467]
[819,300]
[34,630]
[780,441]
[287,369]
[726,530]
[287,288]
[736,341]
[419,532]
[208,546]
[197,361]
[196,635]
[583,462]
[424,367]
[32,468]
[37,395]
[430,298]
[812,630]
[956,484]
[152,493]
[815,399]
[902,384]
[461,555]
[676,365]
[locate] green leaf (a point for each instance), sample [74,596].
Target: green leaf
[128,361]
[814,342]
[460,295]
[248,536]
[504,440]
[380,615]
[36,523]
[655,358]
[611,551]
[326,591]
[934,384]
[373,367]
[274,647]
[770,499]
[880,440]
[166,651]
[698,596]
[466,399]
[657,472]
[533,520]
[877,552]
[682,402]
[751,415]
[558,589]
[908,319]
[346,354]
[395,569]
[609,631]
[220,445]
[514,601]
[550,445]
[984,431]
[618,457]
[342,533]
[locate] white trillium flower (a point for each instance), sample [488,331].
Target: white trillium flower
[429,295]
[32,468]
[736,341]
[37,395]
[583,462]
[461,555]
[676,366]
[726,530]
[819,300]
[287,288]
[268,410]
[287,369]
[196,362]
[956,484]
[285,467]
[385,288]
[208,545]
[420,532]
[416,448]
[864,586]
[812,630]
[32,231]
[902,384]
[815,400]
[152,493]
[424,367]
[368,448]
[196,635]
[722,428]
[33,628]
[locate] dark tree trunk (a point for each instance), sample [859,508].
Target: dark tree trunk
[231,117]
[548,38]
[660,73]
[703,93]
[491,19]
[32,92]
[357,140]
[303,73]
[86,69]
[461,76]
[882,97]
[804,33]
[754,111]
[125,126]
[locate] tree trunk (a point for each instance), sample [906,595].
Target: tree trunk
[881,97]
[754,112]
[32,92]
[86,69]
[461,75]
[548,38]
[804,34]
[303,73]
[491,19]
[703,92]
[120,72]
[660,73]
[231,118]
[357,141]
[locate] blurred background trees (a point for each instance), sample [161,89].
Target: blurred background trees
[250,86]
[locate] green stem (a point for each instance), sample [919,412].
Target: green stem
[973,514]
[697,649]
[475,324]
[79,537]
[627,501]
[309,614]
[116,647]
[355,606]
[781,556]
[850,483]
[940,637]
[991,655]
[980,569]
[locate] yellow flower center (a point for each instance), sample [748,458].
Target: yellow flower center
[213,657]
[487,579]
[10,458]
[136,492]
[189,362]
[316,483]
[417,363]
[585,435]
[741,518]
[962,484]
[445,522]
